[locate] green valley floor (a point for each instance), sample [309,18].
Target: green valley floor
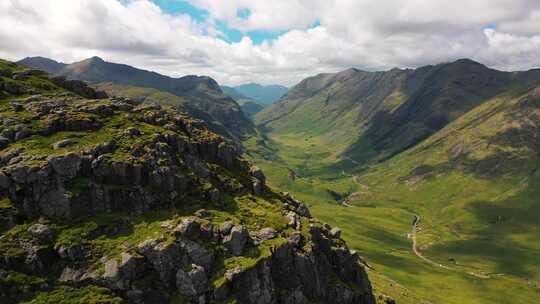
[482,235]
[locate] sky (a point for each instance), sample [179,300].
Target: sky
[273,42]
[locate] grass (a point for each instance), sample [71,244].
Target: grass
[83,295]
[479,210]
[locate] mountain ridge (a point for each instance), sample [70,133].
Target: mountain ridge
[388,111]
[106,200]
[201,93]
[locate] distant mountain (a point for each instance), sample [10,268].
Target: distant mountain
[233,93]
[202,94]
[264,94]
[371,116]
[251,107]
[44,64]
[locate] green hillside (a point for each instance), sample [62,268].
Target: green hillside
[472,179]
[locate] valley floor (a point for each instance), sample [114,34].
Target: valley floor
[486,254]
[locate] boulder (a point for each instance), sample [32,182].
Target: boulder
[236,240]
[41,231]
[188,228]
[225,228]
[62,144]
[335,233]
[192,282]
[196,253]
[267,234]
[258,174]
[164,257]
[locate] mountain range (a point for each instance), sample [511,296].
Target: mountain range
[451,148]
[201,96]
[371,116]
[264,94]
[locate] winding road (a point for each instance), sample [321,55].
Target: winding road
[412,236]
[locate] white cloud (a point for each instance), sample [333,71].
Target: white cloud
[360,33]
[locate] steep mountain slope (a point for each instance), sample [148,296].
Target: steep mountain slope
[102,202]
[202,93]
[233,93]
[249,106]
[265,94]
[370,116]
[44,64]
[455,147]
[475,185]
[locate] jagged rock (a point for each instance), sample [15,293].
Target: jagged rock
[22,133]
[41,231]
[267,234]
[196,253]
[164,257]
[193,282]
[295,239]
[258,187]
[294,220]
[121,273]
[335,233]
[258,174]
[236,240]
[302,210]
[78,87]
[225,228]
[66,166]
[207,230]
[74,253]
[188,228]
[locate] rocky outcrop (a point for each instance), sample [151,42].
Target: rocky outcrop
[150,205]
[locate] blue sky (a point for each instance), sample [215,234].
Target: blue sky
[178,7]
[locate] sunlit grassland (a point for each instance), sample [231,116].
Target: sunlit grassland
[488,227]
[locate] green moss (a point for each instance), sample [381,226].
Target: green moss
[84,295]
[6,203]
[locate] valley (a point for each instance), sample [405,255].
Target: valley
[473,183]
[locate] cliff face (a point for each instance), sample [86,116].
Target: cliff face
[108,201]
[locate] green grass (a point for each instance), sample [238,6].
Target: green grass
[480,210]
[83,295]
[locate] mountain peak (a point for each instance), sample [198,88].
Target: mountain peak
[94,59]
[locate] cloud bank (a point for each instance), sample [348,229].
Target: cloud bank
[318,35]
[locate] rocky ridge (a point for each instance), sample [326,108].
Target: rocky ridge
[107,200]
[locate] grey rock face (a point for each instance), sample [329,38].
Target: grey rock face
[163,256]
[66,166]
[236,240]
[189,228]
[193,282]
